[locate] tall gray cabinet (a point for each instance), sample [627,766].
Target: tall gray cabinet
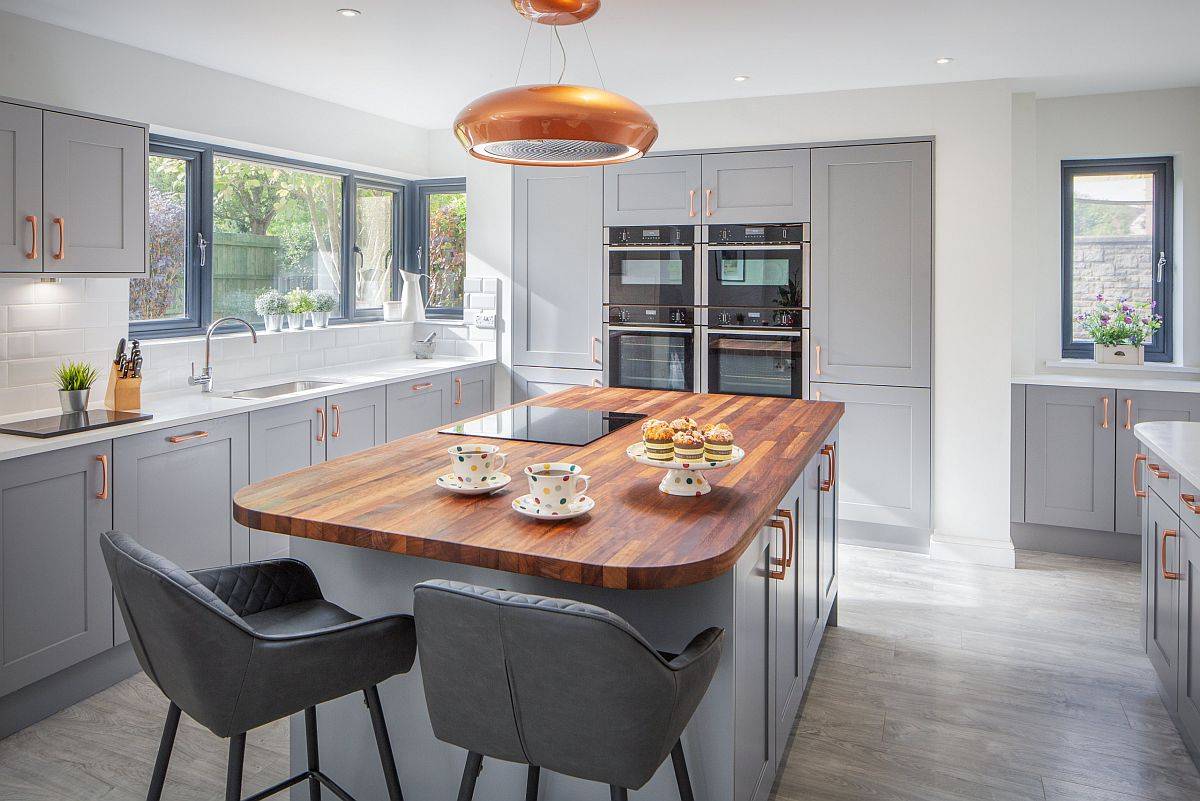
[20,188]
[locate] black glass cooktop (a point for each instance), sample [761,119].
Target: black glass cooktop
[58,425]
[546,424]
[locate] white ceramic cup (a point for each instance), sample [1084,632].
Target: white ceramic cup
[556,484]
[476,462]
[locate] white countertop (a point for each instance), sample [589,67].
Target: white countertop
[192,405]
[1178,444]
[1109,382]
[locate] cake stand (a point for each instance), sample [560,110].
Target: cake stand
[683,477]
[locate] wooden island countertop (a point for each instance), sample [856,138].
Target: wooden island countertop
[636,537]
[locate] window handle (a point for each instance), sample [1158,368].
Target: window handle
[358,257]
[202,246]
[1162,263]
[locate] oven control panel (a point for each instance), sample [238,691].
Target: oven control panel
[756,318]
[650,236]
[651,315]
[780,234]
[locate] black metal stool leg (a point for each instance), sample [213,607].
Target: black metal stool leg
[681,773]
[466,790]
[233,779]
[314,761]
[531,783]
[384,744]
[618,793]
[165,747]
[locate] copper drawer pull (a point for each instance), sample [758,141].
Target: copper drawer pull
[321,430]
[1157,471]
[1129,414]
[816,359]
[779,574]
[691,202]
[102,495]
[708,207]
[61,253]
[33,251]
[596,359]
[1190,502]
[185,437]
[1104,423]
[457,391]
[790,550]
[337,420]
[1137,493]
[829,483]
[1170,575]
[419,387]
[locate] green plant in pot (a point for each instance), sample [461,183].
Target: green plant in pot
[75,381]
[300,303]
[1120,329]
[324,303]
[272,305]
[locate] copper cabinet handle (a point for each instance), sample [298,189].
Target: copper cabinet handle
[61,253]
[816,359]
[33,251]
[337,420]
[829,483]
[1104,401]
[1129,414]
[185,437]
[691,202]
[1137,493]
[321,430]
[1170,575]
[779,574]
[419,387]
[1189,501]
[817,395]
[1157,471]
[595,359]
[102,495]
[790,550]
[457,391]
[708,209]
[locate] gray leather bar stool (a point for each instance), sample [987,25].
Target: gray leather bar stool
[238,647]
[555,684]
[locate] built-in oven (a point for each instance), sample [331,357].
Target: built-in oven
[756,266]
[651,265]
[755,352]
[652,347]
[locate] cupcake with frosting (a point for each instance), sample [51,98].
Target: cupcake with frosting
[707,427]
[685,424]
[689,446]
[718,443]
[651,422]
[658,442]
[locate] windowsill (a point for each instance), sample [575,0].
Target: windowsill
[444,321]
[244,334]
[1148,367]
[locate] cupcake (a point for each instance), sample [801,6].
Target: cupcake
[707,427]
[689,446]
[718,443]
[684,424]
[650,423]
[658,442]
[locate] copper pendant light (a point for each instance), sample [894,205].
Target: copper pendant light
[555,124]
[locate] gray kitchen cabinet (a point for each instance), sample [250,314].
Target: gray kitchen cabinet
[357,421]
[20,189]
[173,493]
[827,527]
[418,405]
[283,439]
[1070,457]
[789,619]
[809,548]
[534,382]
[1135,407]
[657,190]
[763,186]
[1162,602]
[872,264]
[885,462]
[94,195]
[1016,488]
[753,659]
[472,392]
[57,599]
[558,271]
[1188,700]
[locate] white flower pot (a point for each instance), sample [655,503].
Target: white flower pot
[273,322]
[319,319]
[296,321]
[1121,354]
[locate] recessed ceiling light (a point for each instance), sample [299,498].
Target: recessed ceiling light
[741,78]
[944,60]
[349,12]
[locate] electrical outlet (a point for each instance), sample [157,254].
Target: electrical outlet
[486,318]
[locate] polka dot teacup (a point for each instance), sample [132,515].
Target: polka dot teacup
[556,484]
[476,462]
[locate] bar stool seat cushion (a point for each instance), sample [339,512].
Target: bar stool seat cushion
[299,618]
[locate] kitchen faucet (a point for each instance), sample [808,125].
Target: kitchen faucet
[205,379]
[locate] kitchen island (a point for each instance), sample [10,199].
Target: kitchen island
[756,556]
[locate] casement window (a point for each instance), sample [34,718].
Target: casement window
[442,244]
[225,225]
[1116,242]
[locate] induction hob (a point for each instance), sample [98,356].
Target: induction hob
[58,425]
[550,425]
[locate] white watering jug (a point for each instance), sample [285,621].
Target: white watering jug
[412,305]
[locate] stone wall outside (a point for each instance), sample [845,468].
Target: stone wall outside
[1117,266]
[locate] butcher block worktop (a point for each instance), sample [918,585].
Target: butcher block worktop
[635,538]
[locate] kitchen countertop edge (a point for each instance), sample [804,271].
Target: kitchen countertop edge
[1177,443]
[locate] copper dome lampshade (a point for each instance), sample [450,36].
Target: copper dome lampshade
[555,124]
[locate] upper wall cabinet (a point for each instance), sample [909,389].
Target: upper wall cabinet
[766,186]
[872,264]
[72,193]
[662,190]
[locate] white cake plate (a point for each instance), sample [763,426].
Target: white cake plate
[683,477]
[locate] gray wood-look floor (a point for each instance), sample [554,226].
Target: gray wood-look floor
[943,682]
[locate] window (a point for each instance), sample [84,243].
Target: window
[1116,240]
[442,252]
[376,255]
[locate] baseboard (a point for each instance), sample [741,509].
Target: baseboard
[55,693]
[972,550]
[882,535]
[1077,542]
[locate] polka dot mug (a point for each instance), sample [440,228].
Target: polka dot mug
[556,484]
[476,462]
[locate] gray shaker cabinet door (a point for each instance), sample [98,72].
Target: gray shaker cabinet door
[884,461]
[21,189]
[57,599]
[1143,407]
[94,177]
[558,272]
[418,405]
[872,264]
[1163,603]
[1070,456]
[357,421]
[653,191]
[809,563]
[754,670]
[173,493]
[1189,633]
[534,382]
[789,616]
[831,480]
[471,392]
[766,186]
[282,439]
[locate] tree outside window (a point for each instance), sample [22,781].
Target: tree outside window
[446,243]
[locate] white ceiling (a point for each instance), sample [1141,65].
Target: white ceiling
[420,61]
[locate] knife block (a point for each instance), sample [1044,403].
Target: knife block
[123,394]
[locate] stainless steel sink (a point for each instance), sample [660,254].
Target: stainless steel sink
[286,388]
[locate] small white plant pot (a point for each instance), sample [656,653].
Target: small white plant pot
[319,319]
[273,322]
[296,321]
[1121,354]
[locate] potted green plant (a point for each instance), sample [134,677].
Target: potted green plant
[323,303]
[300,303]
[272,305]
[75,381]
[1120,329]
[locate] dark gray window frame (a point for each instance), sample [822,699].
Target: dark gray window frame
[1159,349]
[420,227]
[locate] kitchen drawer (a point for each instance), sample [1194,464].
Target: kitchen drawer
[1163,479]
[1189,504]
[418,405]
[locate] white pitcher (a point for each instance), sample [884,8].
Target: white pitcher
[412,308]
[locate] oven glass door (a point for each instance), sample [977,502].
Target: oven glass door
[651,276]
[749,276]
[652,359]
[751,364]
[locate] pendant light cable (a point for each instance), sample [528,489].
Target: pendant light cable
[563,71]
[595,60]
[525,47]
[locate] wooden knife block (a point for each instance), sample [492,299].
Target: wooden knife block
[123,394]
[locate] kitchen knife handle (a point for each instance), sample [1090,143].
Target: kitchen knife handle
[102,495]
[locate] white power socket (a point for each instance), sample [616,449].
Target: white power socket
[485,318]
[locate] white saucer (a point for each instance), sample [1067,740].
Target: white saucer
[541,511]
[452,482]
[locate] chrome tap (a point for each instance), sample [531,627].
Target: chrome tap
[205,379]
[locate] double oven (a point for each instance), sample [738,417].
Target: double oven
[718,308]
